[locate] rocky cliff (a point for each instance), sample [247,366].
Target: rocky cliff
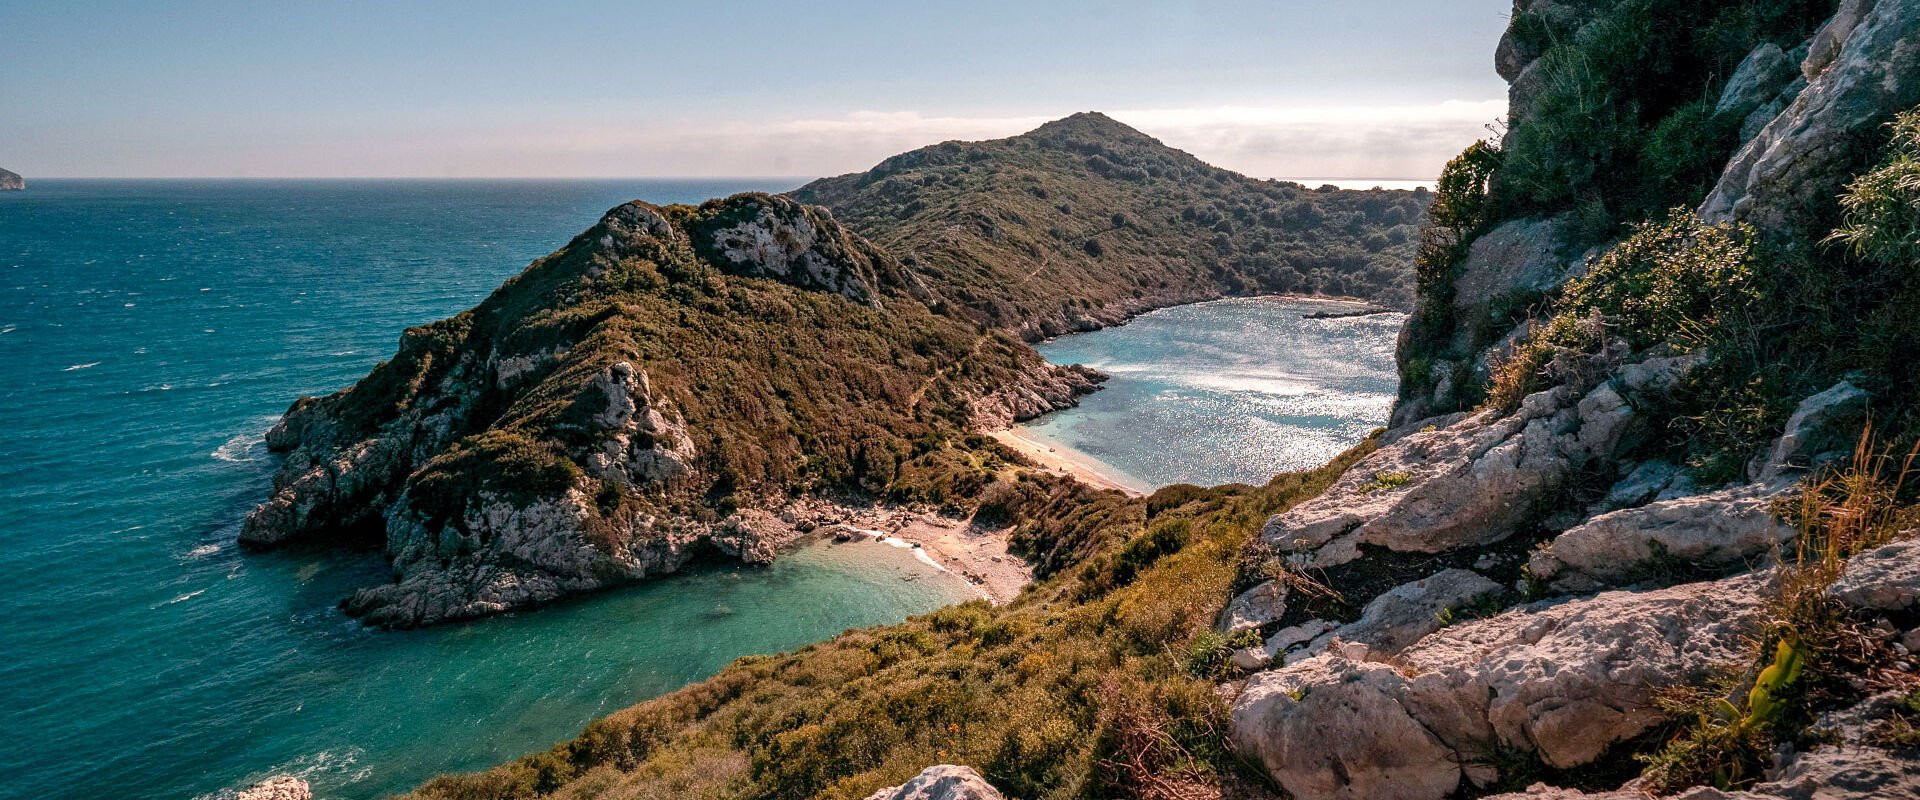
[11,182]
[1665,407]
[661,388]
[1641,526]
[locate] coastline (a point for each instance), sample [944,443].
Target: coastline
[1060,459]
[978,556]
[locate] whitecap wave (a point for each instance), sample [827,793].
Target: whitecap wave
[81,366]
[328,767]
[242,448]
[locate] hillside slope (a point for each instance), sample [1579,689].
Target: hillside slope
[1084,222]
[1643,538]
[646,394]
[683,381]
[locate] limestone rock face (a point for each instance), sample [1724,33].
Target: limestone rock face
[1718,529]
[1475,481]
[1041,389]
[1823,429]
[1563,680]
[11,182]
[1758,79]
[1403,615]
[943,782]
[277,788]
[1886,578]
[1522,255]
[1861,68]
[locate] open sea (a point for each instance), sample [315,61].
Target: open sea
[150,332]
[1229,391]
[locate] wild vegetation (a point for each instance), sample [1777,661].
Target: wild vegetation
[1816,655]
[1097,682]
[1614,124]
[1086,221]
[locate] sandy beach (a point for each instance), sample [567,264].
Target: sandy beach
[1061,460]
[978,556]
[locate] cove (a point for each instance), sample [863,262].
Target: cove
[1230,391]
[152,331]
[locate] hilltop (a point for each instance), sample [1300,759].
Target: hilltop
[11,182]
[1084,222]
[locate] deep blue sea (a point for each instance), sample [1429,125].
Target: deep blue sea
[1229,391]
[150,332]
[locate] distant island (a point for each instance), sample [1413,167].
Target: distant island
[12,182]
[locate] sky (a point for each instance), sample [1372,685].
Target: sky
[589,88]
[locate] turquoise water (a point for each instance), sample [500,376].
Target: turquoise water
[149,333]
[1229,391]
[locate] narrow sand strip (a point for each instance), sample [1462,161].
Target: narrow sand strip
[1062,460]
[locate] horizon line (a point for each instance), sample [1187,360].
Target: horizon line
[1290,179]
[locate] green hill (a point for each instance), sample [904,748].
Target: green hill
[1084,222]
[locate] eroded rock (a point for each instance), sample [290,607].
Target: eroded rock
[1715,530]
[1562,680]
[1886,578]
[943,782]
[1862,67]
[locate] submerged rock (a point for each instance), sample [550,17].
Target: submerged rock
[280,787]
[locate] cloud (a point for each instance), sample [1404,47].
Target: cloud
[1410,141]
[1403,141]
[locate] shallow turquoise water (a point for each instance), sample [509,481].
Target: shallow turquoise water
[1229,391]
[149,333]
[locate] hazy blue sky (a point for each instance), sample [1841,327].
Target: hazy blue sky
[1356,88]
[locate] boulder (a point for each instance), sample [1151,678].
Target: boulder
[1715,530]
[1863,67]
[1823,429]
[1561,680]
[1886,578]
[1335,728]
[1254,608]
[942,782]
[1402,615]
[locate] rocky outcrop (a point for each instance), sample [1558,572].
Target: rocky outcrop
[1476,480]
[1039,389]
[1884,579]
[943,782]
[1560,680]
[277,788]
[11,182]
[1519,257]
[1824,429]
[1861,68]
[1669,538]
[615,411]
